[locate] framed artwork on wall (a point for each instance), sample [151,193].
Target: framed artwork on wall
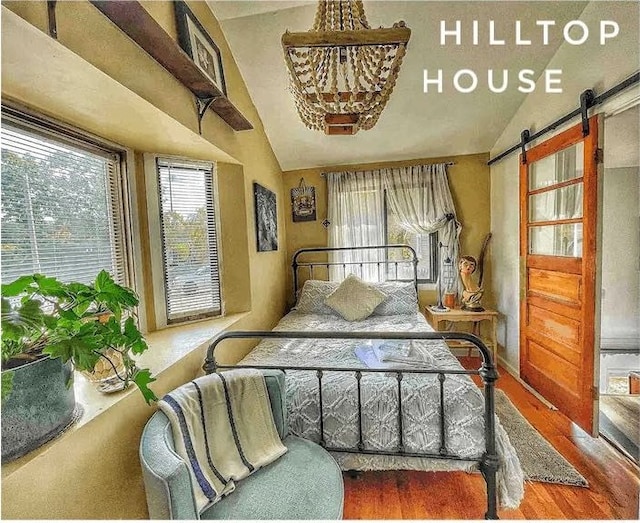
[303,202]
[199,46]
[266,218]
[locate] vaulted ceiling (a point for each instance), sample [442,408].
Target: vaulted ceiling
[414,124]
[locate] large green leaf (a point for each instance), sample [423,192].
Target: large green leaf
[49,286]
[16,287]
[134,337]
[142,378]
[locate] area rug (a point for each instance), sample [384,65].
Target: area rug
[539,460]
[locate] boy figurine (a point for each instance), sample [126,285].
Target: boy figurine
[472,293]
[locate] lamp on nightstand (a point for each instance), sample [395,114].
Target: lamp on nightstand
[445,277]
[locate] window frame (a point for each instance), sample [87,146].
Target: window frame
[29,121]
[434,254]
[156,243]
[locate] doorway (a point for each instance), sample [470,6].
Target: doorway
[620,306]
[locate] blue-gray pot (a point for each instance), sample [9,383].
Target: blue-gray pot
[40,406]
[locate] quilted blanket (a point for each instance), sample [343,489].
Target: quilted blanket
[464,402]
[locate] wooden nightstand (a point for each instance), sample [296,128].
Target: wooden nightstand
[435,318]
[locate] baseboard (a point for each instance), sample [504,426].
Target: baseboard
[631,344]
[516,375]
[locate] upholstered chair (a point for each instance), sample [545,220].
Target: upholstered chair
[305,483]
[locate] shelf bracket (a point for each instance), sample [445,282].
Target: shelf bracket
[51,16]
[202,105]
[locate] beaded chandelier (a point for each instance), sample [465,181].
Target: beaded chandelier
[341,71]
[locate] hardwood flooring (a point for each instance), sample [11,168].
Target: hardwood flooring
[620,421]
[614,482]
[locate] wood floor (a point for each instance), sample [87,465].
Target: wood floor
[614,482]
[620,421]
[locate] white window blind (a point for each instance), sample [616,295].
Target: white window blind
[62,208]
[189,239]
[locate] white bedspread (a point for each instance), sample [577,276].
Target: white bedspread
[464,402]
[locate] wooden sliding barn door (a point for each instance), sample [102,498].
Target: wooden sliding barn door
[558,206]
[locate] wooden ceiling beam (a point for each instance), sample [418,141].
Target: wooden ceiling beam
[382,36]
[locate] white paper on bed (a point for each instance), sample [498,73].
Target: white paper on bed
[464,402]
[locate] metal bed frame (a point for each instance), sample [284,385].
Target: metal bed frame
[488,461]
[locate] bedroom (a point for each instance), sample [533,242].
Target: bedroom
[144,109]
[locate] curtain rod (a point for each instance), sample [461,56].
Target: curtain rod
[597,100]
[323,174]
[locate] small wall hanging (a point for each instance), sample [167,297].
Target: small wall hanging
[303,202]
[266,218]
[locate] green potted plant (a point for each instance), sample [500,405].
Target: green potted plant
[50,328]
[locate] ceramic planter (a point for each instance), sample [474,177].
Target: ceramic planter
[40,406]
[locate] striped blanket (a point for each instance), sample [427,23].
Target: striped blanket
[223,428]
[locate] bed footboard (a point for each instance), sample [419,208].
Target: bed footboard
[488,462]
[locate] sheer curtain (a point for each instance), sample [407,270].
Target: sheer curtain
[421,199]
[356,213]
[419,196]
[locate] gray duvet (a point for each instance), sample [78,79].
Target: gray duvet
[464,402]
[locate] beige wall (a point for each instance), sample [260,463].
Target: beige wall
[620,319]
[94,472]
[587,66]
[470,187]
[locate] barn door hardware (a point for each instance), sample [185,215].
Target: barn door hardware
[525,136]
[586,101]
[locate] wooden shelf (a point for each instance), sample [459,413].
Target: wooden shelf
[140,26]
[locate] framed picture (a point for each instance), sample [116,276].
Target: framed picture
[266,218]
[199,45]
[303,203]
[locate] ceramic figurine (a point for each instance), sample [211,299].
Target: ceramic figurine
[472,293]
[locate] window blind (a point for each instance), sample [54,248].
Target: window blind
[189,239]
[62,208]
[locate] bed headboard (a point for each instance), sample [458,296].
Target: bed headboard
[387,268]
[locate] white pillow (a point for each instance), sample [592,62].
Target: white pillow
[312,297]
[354,299]
[401,298]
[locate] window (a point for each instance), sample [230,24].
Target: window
[426,246]
[189,239]
[62,210]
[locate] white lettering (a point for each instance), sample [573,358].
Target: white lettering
[444,32]
[603,30]
[545,29]
[522,76]
[550,81]
[427,81]
[505,81]
[471,74]
[492,35]
[475,32]
[576,23]
[519,40]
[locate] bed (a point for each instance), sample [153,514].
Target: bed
[384,393]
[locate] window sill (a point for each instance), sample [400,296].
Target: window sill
[166,349]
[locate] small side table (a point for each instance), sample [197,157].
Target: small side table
[476,318]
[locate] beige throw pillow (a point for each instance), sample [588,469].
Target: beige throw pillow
[354,299]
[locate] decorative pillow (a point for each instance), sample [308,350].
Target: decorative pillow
[312,297]
[401,298]
[354,299]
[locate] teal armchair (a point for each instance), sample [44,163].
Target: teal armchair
[305,483]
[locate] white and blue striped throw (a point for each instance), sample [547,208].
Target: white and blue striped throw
[223,429]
